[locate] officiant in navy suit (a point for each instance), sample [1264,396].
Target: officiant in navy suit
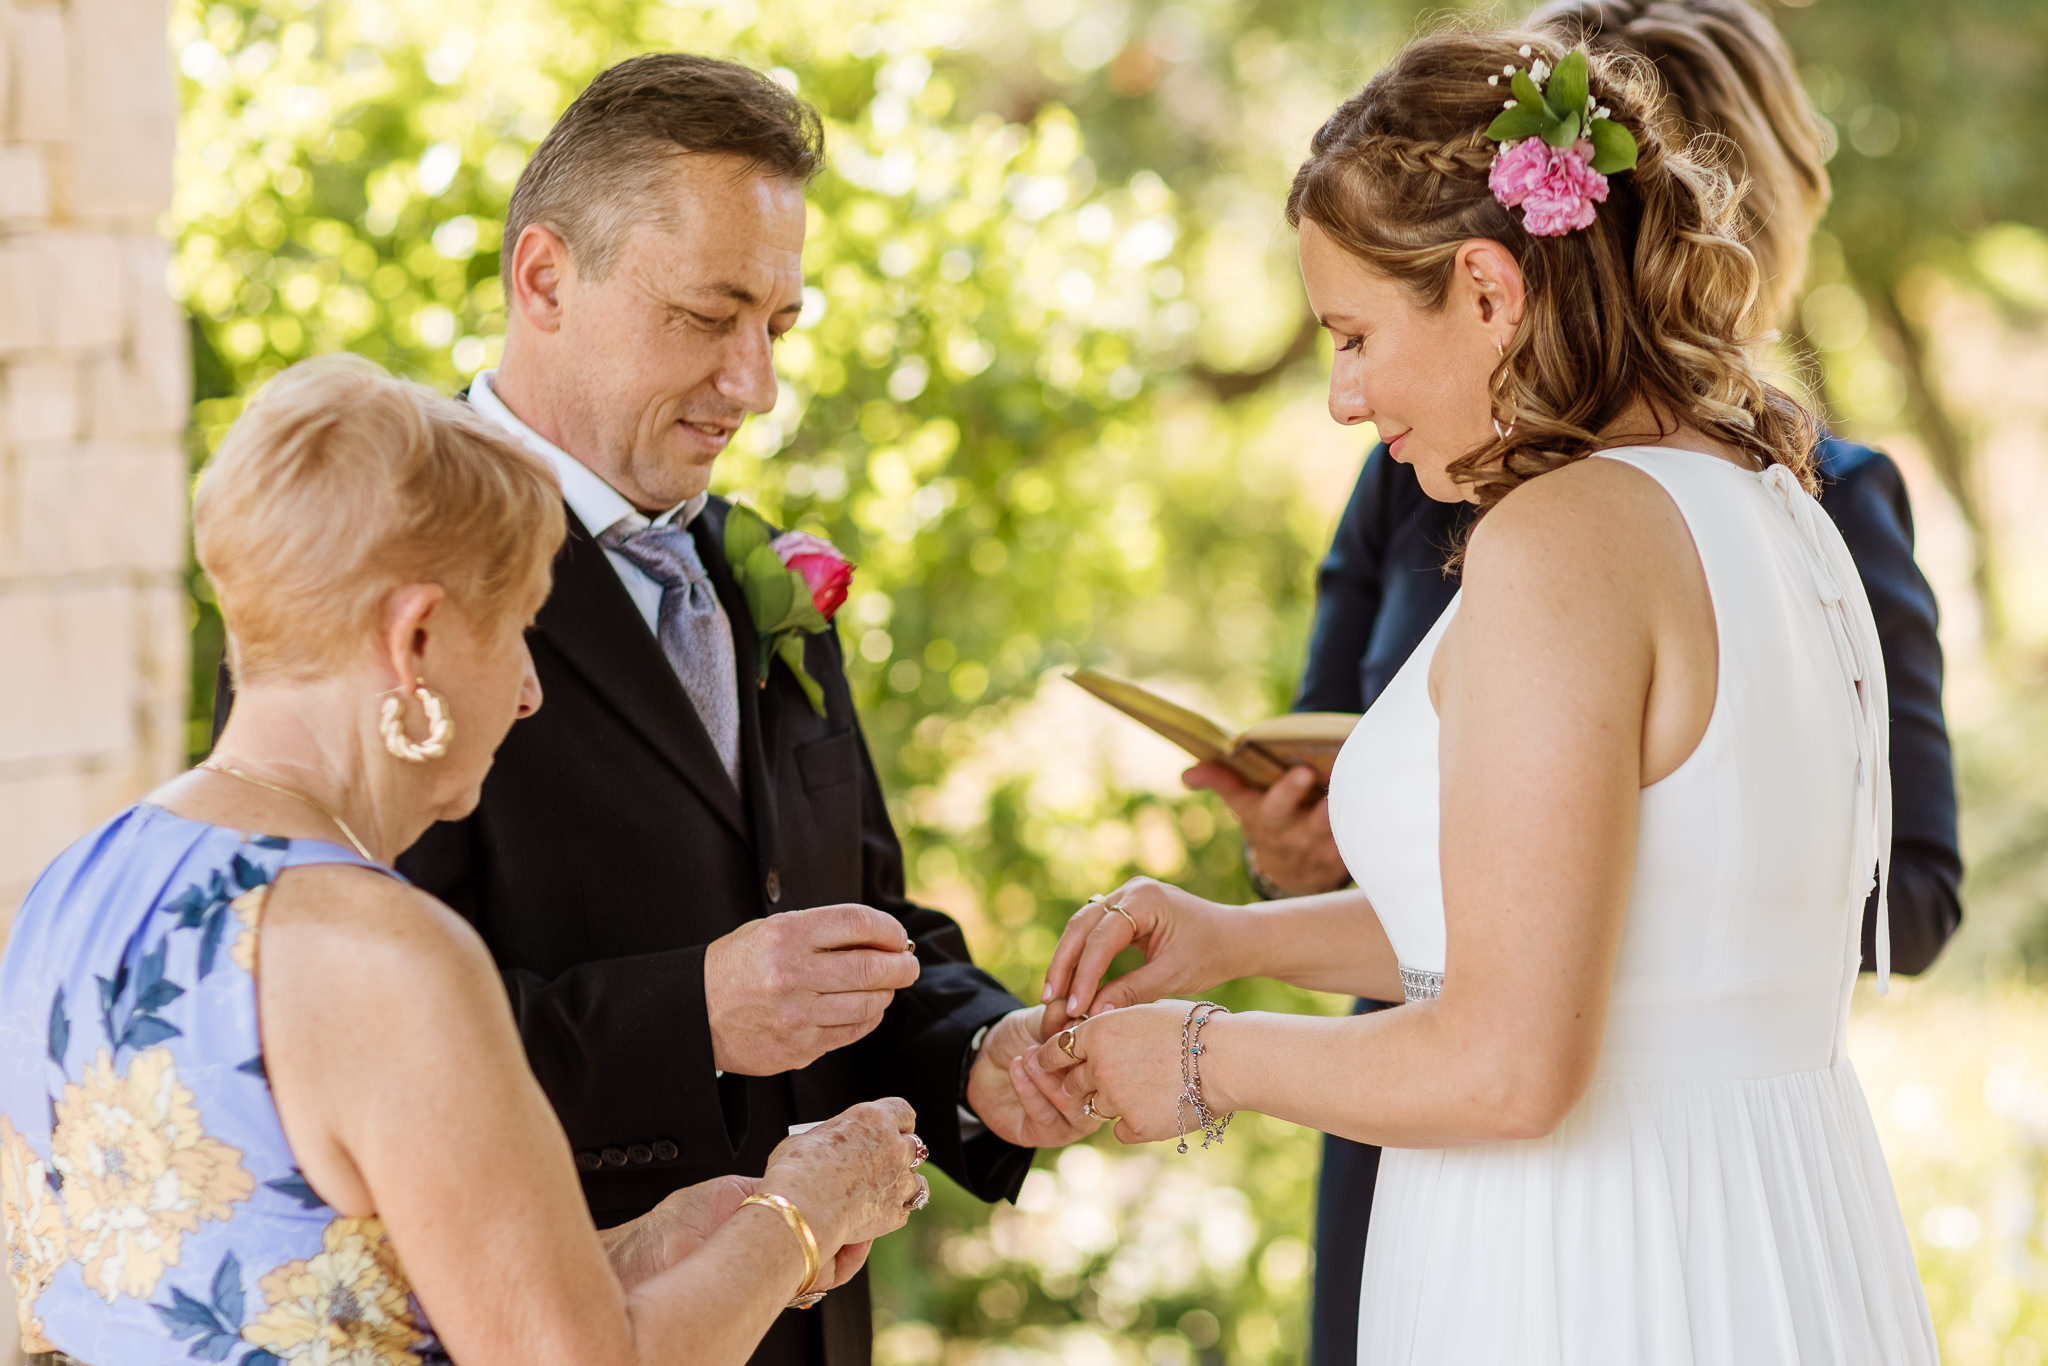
[683,864]
[1382,586]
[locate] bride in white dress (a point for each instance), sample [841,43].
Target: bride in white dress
[1613,826]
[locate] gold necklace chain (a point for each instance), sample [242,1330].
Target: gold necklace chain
[215,766]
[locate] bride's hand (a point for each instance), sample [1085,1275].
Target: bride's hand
[1127,1062]
[1187,943]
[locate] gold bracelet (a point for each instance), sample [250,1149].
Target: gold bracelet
[800,1226]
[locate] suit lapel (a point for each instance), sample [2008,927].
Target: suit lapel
[591,619]
[757,719]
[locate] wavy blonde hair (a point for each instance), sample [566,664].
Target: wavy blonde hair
[1657,301]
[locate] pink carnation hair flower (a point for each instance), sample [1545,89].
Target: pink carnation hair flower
[1555,187]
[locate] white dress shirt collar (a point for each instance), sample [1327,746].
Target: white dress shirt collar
[596,504]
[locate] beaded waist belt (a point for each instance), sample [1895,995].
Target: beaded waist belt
[1420,984]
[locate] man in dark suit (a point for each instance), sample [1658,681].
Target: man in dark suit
[685,868]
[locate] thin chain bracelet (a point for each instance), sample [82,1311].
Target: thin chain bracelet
[1191,1049]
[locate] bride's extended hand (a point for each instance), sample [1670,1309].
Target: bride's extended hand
[1125,1066]
[1187,942]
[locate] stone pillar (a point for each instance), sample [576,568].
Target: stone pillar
[94,395]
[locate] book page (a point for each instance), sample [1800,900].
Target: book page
[1193,732]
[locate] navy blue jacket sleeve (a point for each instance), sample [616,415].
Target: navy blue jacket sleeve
[1349,588]
[1867,499]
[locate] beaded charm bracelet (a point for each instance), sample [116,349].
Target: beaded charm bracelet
[1199,1014]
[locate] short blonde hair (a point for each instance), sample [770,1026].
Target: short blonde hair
[339,484]
[1727,72]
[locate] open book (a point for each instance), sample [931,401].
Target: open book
[1259,755]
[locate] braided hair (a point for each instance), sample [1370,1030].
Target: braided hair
[1655,302]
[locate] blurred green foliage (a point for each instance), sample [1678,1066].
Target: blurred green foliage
[1054,390]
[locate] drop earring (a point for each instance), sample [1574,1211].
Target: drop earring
[1503,433]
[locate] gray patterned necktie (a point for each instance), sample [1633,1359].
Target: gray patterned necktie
[695,633]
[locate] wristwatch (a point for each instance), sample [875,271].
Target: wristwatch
[967,1061]
[1270,890]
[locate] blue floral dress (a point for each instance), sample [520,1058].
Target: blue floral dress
[153,1211]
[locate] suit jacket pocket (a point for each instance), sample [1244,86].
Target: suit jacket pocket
[828,762]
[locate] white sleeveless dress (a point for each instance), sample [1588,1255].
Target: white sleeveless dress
[1718,1198]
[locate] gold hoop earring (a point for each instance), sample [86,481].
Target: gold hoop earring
[440,726]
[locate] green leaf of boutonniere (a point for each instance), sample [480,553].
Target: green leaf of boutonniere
[1566,90]
[744,529]
[1512,125]
[770,594]
[1563,133]
[1614,147]
[1527,91]
[791,648]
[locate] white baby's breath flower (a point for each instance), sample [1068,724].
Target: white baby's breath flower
[1525,49]
[1493,80]
[1539,71]
[1507,104]
[1507,71]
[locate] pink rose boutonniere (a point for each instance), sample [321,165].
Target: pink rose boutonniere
[793,583]
[826,572]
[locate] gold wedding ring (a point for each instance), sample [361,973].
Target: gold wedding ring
[1065,1039]
[922,1198]
[1114,909]
[919,1152]
[1088,1109]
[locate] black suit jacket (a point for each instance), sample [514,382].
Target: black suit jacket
[609,848]
[1382,587]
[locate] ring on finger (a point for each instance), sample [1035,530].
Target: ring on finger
[922,1198]
[1118,910]
[919,1152]
[1088,1109]
[1065,1039]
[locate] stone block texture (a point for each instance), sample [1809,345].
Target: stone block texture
[94,400]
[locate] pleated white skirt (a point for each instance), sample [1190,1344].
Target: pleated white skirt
[1665,1223]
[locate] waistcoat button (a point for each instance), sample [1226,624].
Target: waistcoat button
[774,887]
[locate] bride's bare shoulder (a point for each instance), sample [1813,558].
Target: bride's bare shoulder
[1594,527]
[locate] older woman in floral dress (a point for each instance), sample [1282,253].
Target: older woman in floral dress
[261,1101]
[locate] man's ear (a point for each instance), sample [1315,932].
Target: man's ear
[1487,285]
[540,267]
